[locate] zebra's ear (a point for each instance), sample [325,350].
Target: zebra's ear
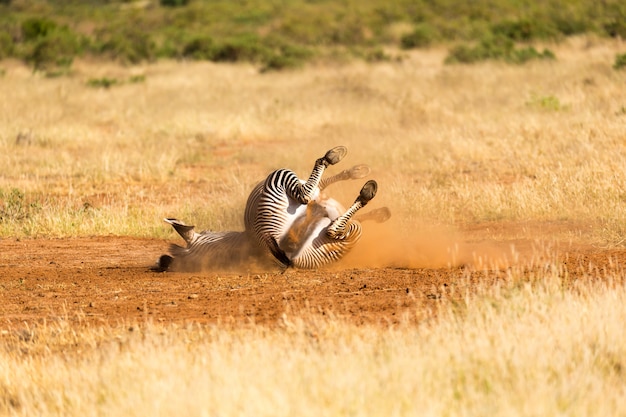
[185,231]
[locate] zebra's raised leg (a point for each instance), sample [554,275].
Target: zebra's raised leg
[304,193]
[341,227]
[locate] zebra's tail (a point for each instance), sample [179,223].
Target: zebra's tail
[185,231]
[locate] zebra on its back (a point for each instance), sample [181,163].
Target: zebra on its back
[287,220]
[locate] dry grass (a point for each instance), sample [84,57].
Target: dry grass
[453,146]
[518,349]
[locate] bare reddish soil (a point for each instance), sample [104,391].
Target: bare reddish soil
[107,280]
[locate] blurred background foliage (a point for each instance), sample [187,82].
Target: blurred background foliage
[278,34]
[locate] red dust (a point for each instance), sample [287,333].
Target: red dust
[390,245]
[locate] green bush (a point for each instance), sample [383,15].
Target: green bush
[201,47]
[284,56]
[137,79]
[620,61]
[50,47]
[53,51]
[495,48]
[616,27]
[488,48]
[14,208]
[526,30]
[376,55]
[106,82]
[243,48]
[36,28]
[103,82]
[571,26]
[520,56]
[516,30]
[173,3]
[423,35]
[546,103]
[7,45]
[126,44]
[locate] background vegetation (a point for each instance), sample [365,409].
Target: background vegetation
[113,149]
[276,34]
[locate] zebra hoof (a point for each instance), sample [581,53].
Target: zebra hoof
[358,171]
[335,155]
[367,192]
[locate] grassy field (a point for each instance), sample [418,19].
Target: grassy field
[515,152]
[451,146]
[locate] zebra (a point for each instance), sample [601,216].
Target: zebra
[288,222]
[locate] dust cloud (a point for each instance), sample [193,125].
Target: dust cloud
[396,245]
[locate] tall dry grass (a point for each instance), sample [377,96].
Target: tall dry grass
[520,349]
[449,145]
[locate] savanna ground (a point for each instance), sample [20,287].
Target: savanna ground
[496,288]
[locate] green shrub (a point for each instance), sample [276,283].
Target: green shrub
[103,82]
[107,83]
[173,3]
[243,48]
[127,44]
[616,28]
[46,45]
[546,103]
[525,30]
[36,28]
[284,56]
[137,79]
[7,45]
[201,47]
[14,208]
[488,48]
[423,35]
[614,19]
[376,55]
[317,24]
[571,26]
[620,61]
[495,48]
[517,30]
[520,56]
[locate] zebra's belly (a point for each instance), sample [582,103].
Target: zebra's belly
[306,222]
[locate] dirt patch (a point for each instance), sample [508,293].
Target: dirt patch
[108,280]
